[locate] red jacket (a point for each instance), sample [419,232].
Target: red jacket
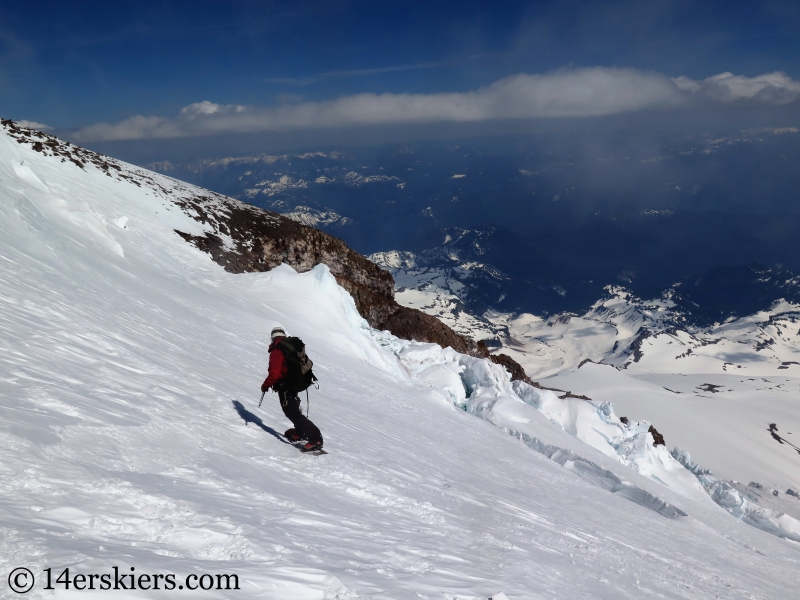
[277,366]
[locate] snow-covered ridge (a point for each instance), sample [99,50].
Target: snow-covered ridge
[440,283]
[243,238]
[270,188]
[317,218]
[208,211]
[620,329]
[656,336]
[285,183]
[354,179]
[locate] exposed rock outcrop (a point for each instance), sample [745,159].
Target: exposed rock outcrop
[263,240]
[658,439]
[513,367]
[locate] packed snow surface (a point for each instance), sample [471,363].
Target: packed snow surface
[131,435]
[727,431]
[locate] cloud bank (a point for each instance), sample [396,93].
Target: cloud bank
[585,92]
[770,88]
[34,125]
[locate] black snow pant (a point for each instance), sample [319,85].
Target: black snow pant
[290,403]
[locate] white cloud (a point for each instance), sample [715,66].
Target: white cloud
[199,109]
[132,128]
[770,88]
[569,93]
[33,125]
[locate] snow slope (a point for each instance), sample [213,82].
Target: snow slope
[726,431]
[716,390]
[129,377]
[730,391]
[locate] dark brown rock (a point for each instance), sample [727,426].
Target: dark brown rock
[265,240]
[658,439]
[513,367]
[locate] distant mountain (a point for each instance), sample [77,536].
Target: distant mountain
[450,281]
[728,292]
[561,217]
[745,318]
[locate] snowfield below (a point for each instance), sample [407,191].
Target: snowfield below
[131,437]
[422,282]
[729,392]
[653,337]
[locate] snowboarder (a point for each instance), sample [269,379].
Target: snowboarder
[303,428]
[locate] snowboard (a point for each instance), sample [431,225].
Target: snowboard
[299,446]
[300,443]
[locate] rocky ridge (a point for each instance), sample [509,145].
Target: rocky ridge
[242,238]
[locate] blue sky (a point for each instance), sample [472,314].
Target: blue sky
[230,65]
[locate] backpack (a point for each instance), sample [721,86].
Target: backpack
[299,375]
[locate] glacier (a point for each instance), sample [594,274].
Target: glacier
[721,389]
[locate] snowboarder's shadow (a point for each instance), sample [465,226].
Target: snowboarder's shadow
[773,430]
[251,418]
